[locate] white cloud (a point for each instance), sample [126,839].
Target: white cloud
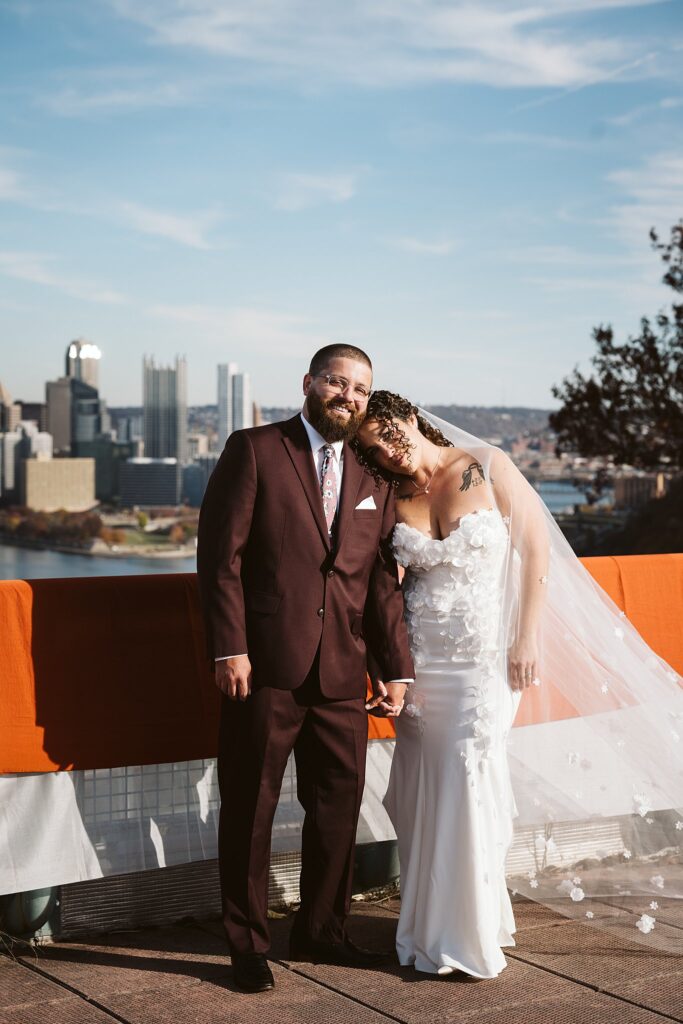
[13,187]
[79,101]
[645,109]
[575,283]
[34,267]
[645,195]
[251,329]
[10,186]
[428,248]
[370,42]
[534,139]
[620,298]
[187,229]
[300,191]
[501,315]
[652,197]
[631,69]
[566,255]
[190,230]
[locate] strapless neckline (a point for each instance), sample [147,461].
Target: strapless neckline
[442,540]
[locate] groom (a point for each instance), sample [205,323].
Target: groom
[296,577]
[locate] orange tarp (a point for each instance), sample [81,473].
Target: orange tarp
[649,589]
[107,671]
[103,671]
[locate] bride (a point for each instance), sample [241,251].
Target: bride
[496,603]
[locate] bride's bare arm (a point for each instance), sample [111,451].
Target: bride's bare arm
[517,500]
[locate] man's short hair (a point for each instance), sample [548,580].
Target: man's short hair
[323,356]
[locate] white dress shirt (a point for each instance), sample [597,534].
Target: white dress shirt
[318,444]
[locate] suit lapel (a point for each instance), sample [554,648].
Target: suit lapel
[298,448]
[351,481]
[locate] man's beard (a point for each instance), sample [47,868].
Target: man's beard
[329,426]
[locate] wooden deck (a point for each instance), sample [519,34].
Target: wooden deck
[560,972]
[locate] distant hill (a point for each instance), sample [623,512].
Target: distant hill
[496,421]
[273,414]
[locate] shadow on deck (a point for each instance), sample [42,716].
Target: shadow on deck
[560,972]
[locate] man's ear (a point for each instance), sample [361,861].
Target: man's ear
[308,380]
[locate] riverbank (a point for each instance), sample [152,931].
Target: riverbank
[98,549]
[23,563]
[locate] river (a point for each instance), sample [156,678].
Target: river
[29,564]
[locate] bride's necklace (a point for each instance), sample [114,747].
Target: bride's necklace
[425,488]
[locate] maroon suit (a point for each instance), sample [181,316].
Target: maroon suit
[303,608]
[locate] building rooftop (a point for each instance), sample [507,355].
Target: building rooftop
[560,972]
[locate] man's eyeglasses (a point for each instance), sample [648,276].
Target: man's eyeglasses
[340,384]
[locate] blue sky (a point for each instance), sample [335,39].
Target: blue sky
[462,189]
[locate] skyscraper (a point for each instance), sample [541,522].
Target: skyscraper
[75,413]
[164,398]
[235,408]
[226,372]
[25,442]
[242,408]
[83,362]
[10,412]
[58,403]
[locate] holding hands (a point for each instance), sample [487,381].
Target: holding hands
[387,700]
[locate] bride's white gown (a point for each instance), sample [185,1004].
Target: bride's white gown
[449,795]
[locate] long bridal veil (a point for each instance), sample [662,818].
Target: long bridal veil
[596,754]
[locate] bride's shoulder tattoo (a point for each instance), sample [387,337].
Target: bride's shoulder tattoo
[468,480]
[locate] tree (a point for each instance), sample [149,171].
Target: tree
[176,534]
[107,535]
[655,528]
[630,410]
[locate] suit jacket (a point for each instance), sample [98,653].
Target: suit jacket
[272,586]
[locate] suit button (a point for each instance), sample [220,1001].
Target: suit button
[331,573]
[321,612]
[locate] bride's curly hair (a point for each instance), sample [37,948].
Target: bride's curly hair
[386,408]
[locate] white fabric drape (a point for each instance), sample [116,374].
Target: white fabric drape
[599,835]
[62,827]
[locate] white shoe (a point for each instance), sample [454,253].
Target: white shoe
[445,970]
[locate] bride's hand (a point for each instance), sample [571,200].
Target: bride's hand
[523,663]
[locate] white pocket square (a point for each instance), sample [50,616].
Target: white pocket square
[368,502]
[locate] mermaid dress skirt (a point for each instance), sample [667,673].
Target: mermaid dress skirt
[449,795]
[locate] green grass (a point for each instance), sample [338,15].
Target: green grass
[138,538]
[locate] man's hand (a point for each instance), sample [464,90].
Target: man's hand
[233,677]
[387,701]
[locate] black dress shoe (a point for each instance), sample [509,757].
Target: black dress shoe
[251,972]
[345,953]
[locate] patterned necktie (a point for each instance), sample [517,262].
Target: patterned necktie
[328,486]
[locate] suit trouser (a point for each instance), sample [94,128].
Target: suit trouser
[329,739]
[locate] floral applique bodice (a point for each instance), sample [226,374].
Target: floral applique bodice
[458,580]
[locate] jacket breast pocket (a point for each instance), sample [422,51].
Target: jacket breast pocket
[365,527]
[262,601]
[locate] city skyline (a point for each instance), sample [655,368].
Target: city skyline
[464,192]
[164,430]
